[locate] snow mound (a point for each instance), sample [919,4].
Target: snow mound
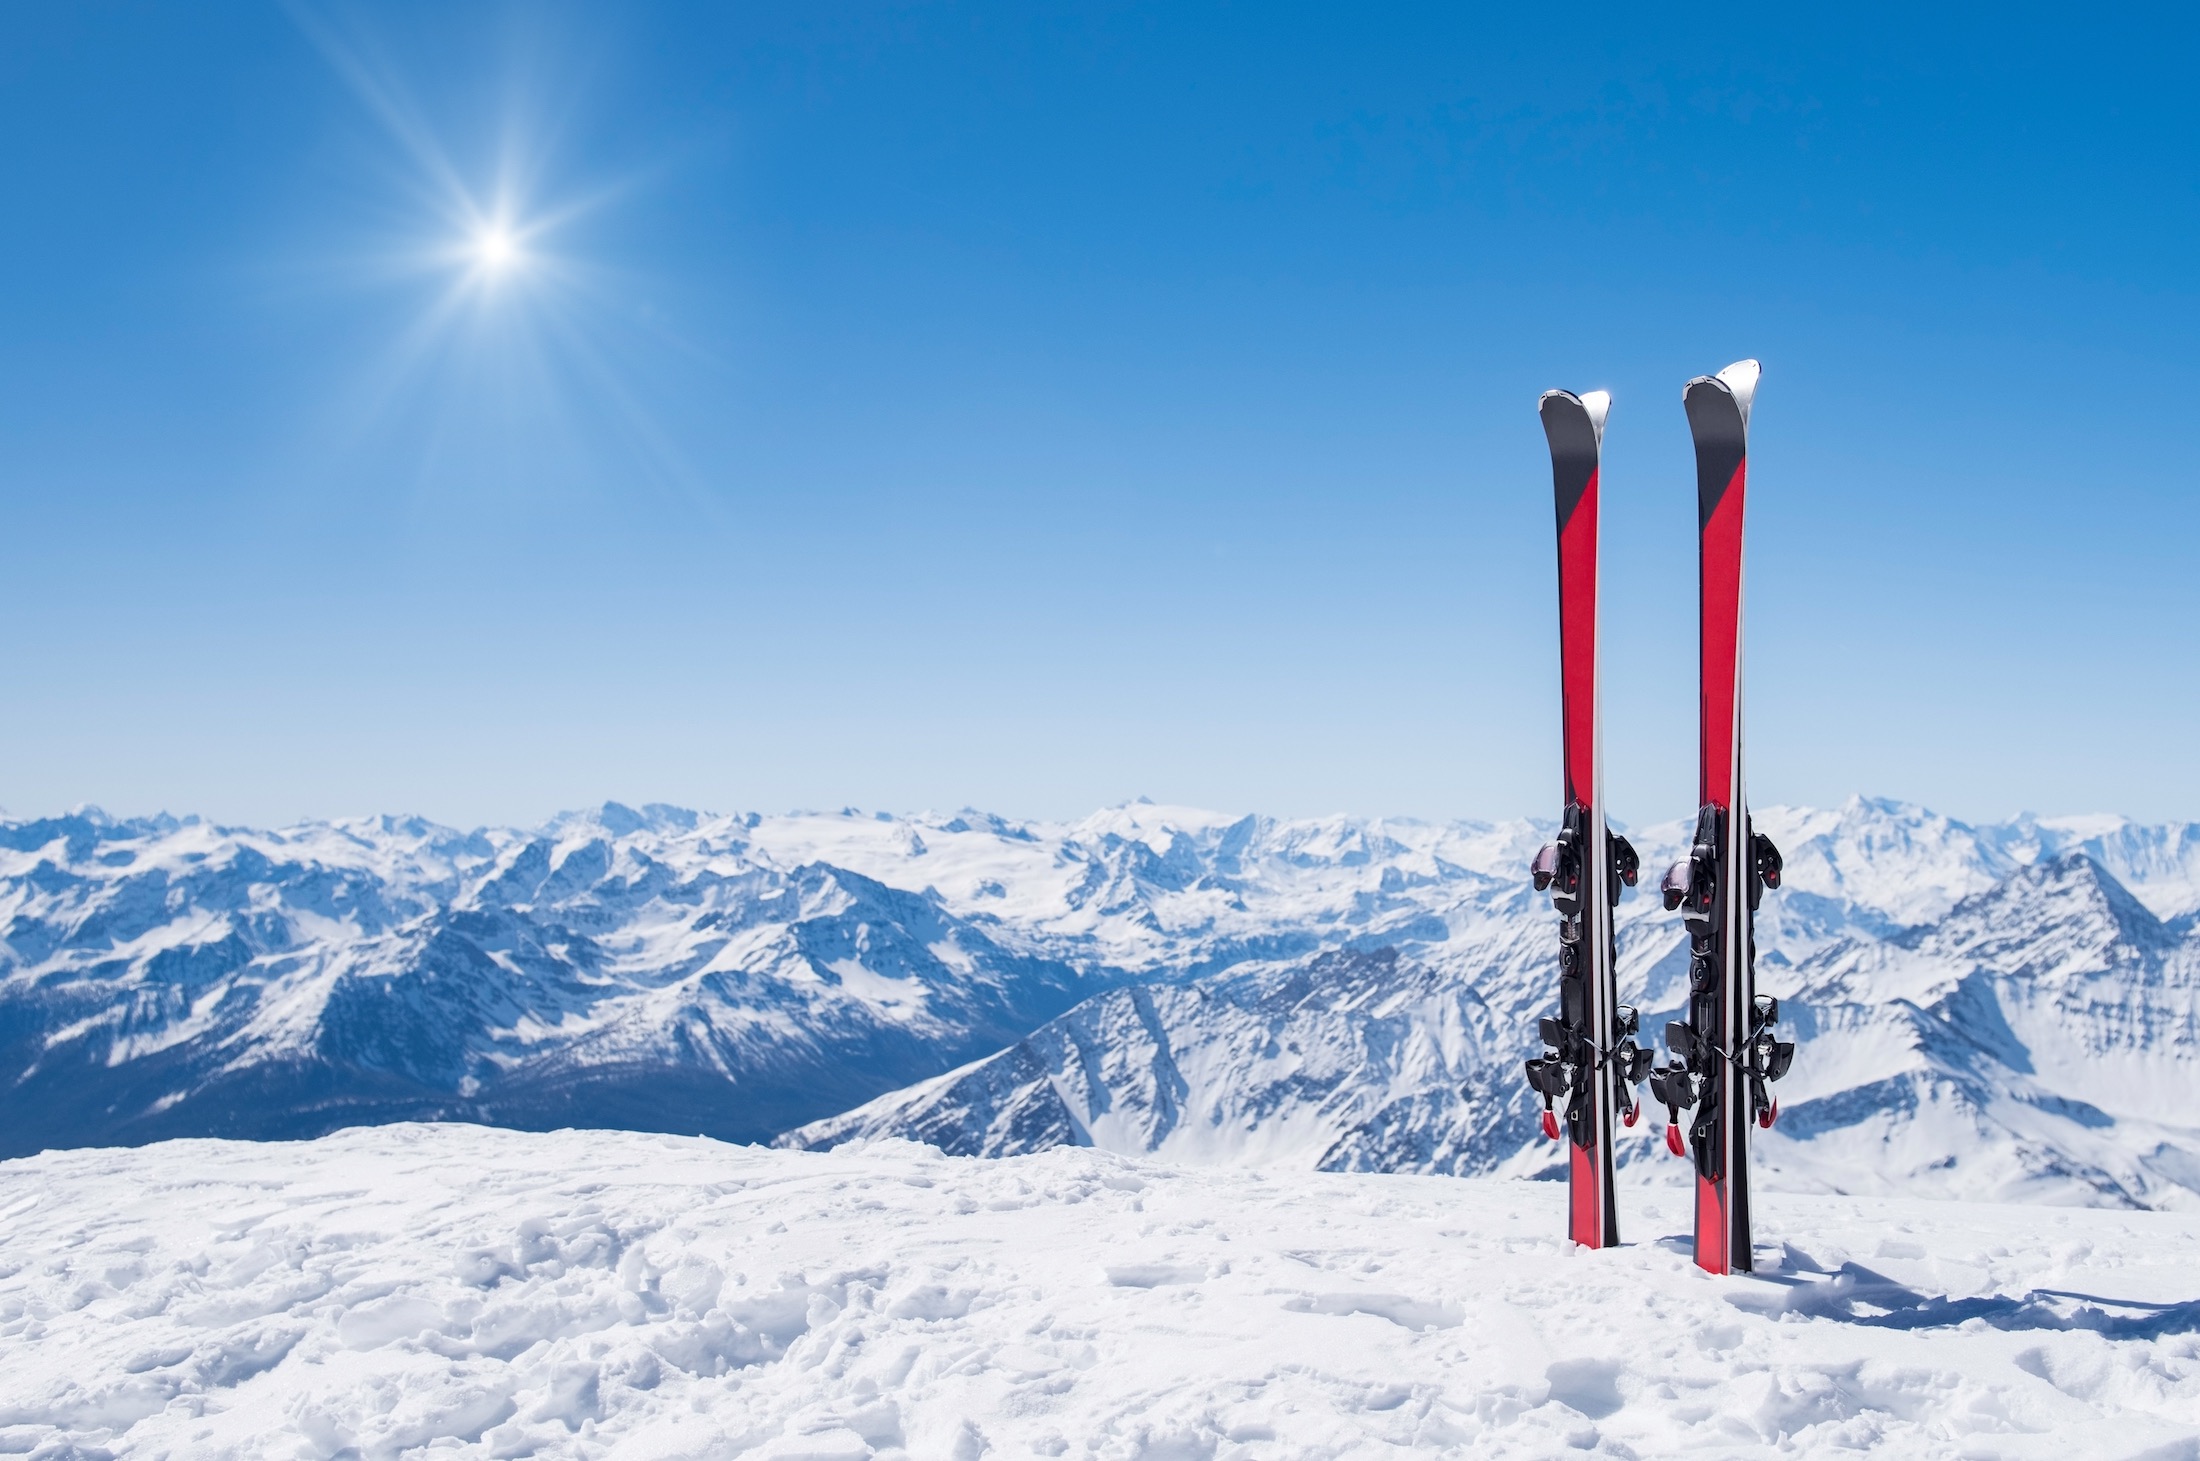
[460,1291]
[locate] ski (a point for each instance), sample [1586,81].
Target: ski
[1592,1063]
[1724,1053]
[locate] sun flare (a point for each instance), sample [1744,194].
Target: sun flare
[515,362]
[495,250]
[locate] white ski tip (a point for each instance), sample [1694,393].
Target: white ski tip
[1598,405]
[1740,379]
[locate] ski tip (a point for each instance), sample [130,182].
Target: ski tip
[1596,405]
[1738,380]
[1741,379]
[1599,405]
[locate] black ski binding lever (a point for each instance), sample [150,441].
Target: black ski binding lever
[1699,1069]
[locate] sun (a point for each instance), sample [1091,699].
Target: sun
[495,250]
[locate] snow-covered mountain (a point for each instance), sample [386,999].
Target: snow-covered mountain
[648,970]
[2000,1008]
[1343,1062]
[2041,1039]
[1986,1012]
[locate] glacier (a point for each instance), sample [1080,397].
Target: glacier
[1997,1010]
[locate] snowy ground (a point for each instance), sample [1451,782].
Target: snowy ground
[468,1292]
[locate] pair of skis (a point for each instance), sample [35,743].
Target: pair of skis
[1724,1053]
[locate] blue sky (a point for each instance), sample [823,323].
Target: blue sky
[1032,407]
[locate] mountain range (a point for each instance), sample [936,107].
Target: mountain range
[2003,1009]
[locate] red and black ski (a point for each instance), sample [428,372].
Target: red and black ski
[1724,1053]
[1592,1064]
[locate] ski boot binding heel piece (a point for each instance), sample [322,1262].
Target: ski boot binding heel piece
[1766,1059]
[1672,1087]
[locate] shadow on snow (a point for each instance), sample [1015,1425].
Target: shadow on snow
[1854,1294]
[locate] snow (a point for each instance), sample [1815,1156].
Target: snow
[462,1291]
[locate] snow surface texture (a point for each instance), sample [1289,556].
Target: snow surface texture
[453,1290]
[1997,1011]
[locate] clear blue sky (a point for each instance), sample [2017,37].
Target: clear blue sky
[1032,407]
